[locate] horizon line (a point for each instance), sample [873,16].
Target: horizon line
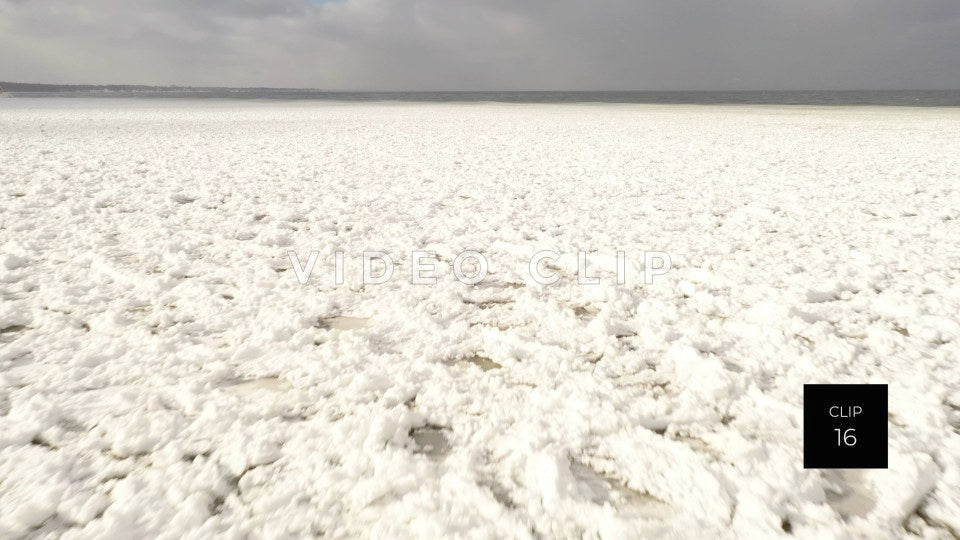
[460,91]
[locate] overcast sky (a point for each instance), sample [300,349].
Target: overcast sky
[486,44]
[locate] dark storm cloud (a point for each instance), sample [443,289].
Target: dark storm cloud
[486,44]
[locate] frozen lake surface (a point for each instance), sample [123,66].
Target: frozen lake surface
[163,373]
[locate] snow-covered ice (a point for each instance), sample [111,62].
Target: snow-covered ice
[163,374]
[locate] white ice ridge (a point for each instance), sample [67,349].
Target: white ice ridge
[163,374]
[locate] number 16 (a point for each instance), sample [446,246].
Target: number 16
[846,438]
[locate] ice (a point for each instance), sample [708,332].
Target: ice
[162,371]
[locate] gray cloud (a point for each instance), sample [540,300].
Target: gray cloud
[486,44]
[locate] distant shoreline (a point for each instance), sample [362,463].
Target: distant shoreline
[914,98]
